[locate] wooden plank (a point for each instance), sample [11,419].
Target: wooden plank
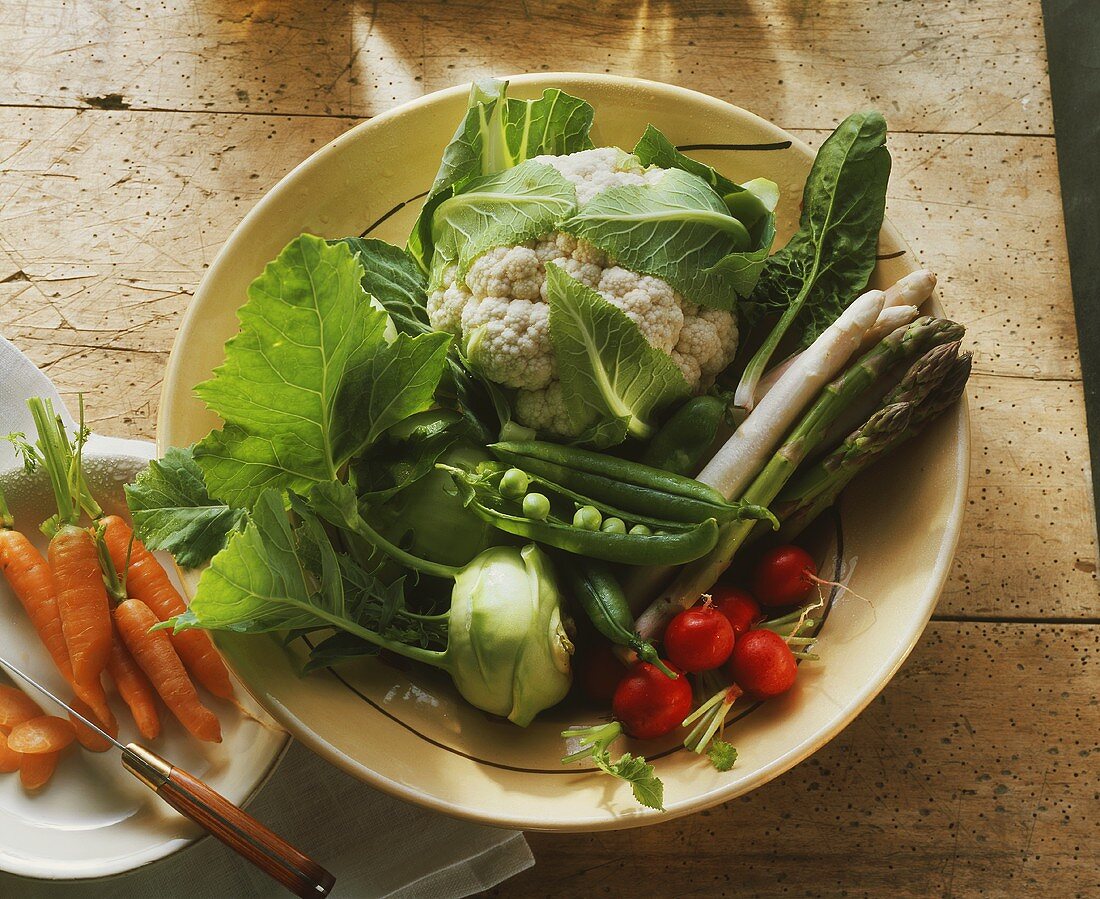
[974,773]
[931,66]
[1028,546]
[108,219]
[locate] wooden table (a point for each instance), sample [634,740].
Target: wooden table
[133,138]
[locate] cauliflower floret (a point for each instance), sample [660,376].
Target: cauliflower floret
[649,302]
[594,171]
[706,344]
[445,306]
[500,308]
[544,410]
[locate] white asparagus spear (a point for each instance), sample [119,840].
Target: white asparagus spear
[741,457]
[890,319]
[912,290]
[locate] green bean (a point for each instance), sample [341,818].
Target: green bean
[682,444]
[602,598]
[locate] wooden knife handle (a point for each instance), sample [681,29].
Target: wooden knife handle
[233,826]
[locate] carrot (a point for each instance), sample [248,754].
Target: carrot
[82,601]
[35,770]
[87,737]
[46,733]
[16,707]
[32,581]
[146,580]
[134,688]
[9,758]
[157,657]
[81,595]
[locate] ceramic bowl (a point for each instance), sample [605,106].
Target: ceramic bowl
[406,732]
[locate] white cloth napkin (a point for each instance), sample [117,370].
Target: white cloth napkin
[374,845]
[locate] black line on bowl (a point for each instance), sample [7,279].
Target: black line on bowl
[896,255]
[777,145]
[838,569]
[396,209]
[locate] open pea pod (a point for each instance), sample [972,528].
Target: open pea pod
[625,549]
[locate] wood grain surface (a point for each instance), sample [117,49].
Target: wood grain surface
[135,135]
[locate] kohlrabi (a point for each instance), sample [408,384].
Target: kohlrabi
[504,639]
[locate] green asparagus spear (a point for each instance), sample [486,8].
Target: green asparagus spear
[933,384]
[905,343]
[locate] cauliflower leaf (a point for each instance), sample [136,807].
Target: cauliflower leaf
[753,203]
[498,210]
[677,229]
[498,133]
[612,379]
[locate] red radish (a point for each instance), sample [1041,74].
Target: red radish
[600,673]
[649,703]
[784,576]
[740,609]
[699,639]
[762,664]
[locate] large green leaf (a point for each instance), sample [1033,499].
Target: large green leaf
[613,380]
[504,209]
[497,133]
[677,229]
[173,511]
[310,379]
[753,203]
[260,582]
[829,260]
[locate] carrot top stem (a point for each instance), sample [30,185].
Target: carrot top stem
[62,458]
[116,584]
[7,522]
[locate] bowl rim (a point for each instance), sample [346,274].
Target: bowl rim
[600,820]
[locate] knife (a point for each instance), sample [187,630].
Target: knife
[210,810]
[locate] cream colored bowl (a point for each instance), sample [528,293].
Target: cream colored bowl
[406,732]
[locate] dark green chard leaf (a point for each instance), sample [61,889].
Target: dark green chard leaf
[613,380]
[752,203]
[310,379]
[499,133]
[503,209]
[677,229]
[173,511]
[392,278]
[829,260]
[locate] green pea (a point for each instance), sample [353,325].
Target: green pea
[640,530]
[514,483]
[613,526]
[588,518]
[536,506]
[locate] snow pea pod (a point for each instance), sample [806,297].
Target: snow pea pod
[625,549]
[635,488]
[598,592]
[683,442]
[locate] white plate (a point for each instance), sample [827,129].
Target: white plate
[93,819]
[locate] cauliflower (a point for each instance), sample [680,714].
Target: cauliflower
[500,307]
